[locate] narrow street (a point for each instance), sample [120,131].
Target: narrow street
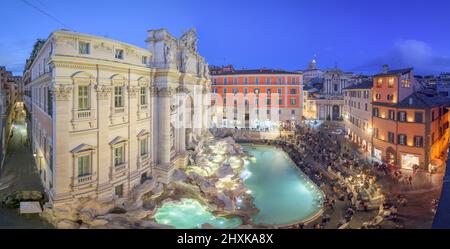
[19,174]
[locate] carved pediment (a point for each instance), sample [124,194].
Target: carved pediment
[82,148]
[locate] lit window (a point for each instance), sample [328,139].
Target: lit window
[380,83]
[391,83]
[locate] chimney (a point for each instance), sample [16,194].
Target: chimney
[385,68]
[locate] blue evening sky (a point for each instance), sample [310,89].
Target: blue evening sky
[355,35]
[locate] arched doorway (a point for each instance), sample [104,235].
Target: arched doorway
[336,113]
[390,156]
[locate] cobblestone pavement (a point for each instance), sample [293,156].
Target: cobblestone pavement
[19,173]
[425,187]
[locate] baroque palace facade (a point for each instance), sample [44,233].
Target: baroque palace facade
[267,96]
[106,115]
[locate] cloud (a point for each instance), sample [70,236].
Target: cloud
[409,53]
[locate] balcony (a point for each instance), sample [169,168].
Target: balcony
[84,114]
[84,179]
[119,110]
[119,168]
[144,107]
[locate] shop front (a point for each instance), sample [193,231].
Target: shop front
[409,161]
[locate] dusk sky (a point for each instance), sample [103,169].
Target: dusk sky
[355,35]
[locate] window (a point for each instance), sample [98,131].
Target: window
[268,102]
[235,90]
[293,91]
[392,114]
[402,139]
[335,87]
[280,101]
[293,112]
[418,141]
[84,48]
[375,112]
[256,91]
[144,146]
[143,96]
[391,83]
[144,60]
[119,155]
[432,116]
[377,96]
[402,116]
[293,101]
[225,91]
[432,138]
[366,107]
[83,98]
[225,80]
[390,137]
[280,90]
[380,83]
[119,54]
[267,80]
[118,96]
[418,117]
[389,97]
[280,80]
[84,165]
[293,81]
[214,90]
[245,80]
[256,80]
[118,190]
[245,90]
[376,132]
[268,91]
[235,80]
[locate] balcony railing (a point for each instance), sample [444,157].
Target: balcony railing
[144,107]
[84,179]
[119,110]
[84,114]
[120,167]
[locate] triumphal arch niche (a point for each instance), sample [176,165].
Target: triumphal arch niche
[181,98]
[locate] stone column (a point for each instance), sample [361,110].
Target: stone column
[163,121]
[63,168]
[104,149]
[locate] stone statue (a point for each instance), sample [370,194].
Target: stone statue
[205,70]
[167,54]
[189,40]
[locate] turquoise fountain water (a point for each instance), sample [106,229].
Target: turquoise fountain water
[189,214]
[283,194]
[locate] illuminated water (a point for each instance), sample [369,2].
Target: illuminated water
[282,192]
[191,214]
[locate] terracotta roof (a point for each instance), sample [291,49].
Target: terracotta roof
[253,71]
[364,85]
[419,100]
[395,72]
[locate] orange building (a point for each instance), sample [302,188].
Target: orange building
[410,126]
[258,90]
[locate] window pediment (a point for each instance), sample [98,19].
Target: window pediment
[118,140]
[82,148]
[143,133]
